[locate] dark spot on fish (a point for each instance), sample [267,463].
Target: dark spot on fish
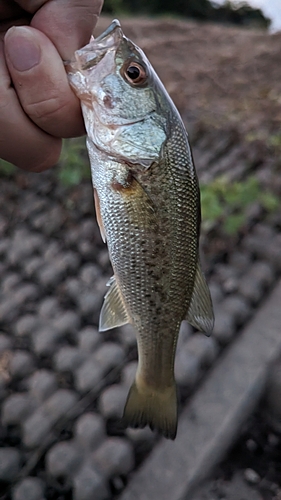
[107,101]
[126,184]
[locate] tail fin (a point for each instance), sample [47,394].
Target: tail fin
[148,406]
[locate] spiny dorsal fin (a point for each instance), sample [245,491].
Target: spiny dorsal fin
[98,215]
[113,312]
[200,313]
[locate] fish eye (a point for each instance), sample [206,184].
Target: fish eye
[134,73]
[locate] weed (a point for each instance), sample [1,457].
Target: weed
[226,202]
[74,163]
[6,168]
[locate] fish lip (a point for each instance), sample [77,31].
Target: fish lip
[111,28]
[89,56]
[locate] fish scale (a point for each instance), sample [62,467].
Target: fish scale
[148,208]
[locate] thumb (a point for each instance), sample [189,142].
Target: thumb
[41,83]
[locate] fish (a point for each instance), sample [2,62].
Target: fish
[147,202]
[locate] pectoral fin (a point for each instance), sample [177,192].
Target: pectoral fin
[200,313]
[98,215]
[113,312]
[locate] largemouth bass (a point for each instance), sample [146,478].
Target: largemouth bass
[148,209]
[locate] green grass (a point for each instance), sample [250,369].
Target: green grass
[74,164]
[6,169]
[226,203]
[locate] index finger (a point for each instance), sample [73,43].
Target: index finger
[68,23]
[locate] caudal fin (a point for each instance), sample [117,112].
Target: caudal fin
[148,406]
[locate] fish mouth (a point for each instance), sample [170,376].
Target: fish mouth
[113,26]
[90,55]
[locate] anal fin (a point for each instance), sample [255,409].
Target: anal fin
[113,312]
[200,312]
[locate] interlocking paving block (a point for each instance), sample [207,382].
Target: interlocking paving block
[9,282]
[29,488]
[68,322]
[88,338]
[109,355]
[253,283]
[50,275]
[32,265]
[10,460]
[211,421]
[90,431]
[5,342]
[59,403]
[89,273]
[42,384]
[68,358]
[90,484]
[187,368]
[238,308]
[48,308]
[26,325]
[8,310]
[16,408]
[89,376]
[36,428]
[44,339]
[112,401]
[63,459]
[89,302]
[263,272]
[240,260]
[26,292]
[224,327]
[142,438]
[114,457]
[4,246]
[21,364]
[205,349]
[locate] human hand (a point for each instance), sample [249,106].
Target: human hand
[37,105]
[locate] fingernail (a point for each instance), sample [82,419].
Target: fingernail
[21,49]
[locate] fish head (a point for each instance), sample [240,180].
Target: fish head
[123,101]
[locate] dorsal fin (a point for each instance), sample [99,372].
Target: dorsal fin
[113,312]
[200,313]
[98,215]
